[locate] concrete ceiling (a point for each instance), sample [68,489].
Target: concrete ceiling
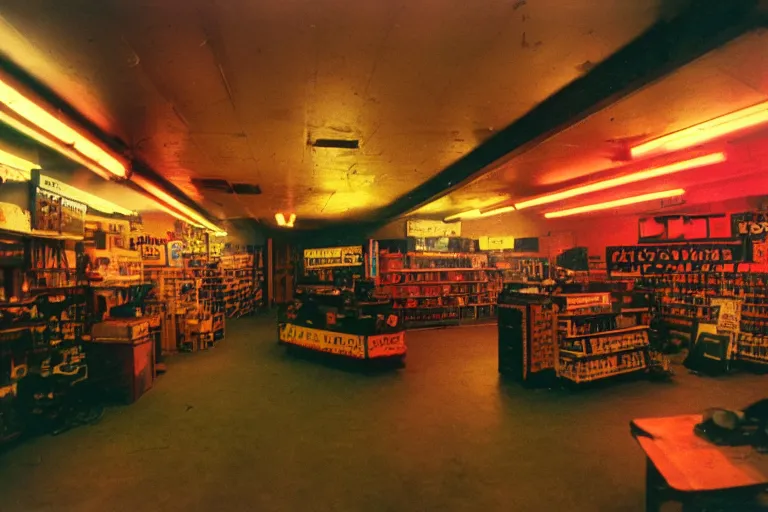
[725,80]
[236,89]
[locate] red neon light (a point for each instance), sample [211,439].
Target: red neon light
[615,204]
[709,130]
[693,163]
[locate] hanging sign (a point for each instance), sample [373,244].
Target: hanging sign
[373,254]
[351,345]
[175,251]
[385,345]
[47,211]
[432,228]
[663,259]
[333,257]
[496,243]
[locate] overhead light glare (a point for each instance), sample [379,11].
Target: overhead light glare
[174,203]
[499,211]
[469,214]
[220,233]
[282,222]
[40,118]
[704,132]
[615,204]
[693,163]
[17,163]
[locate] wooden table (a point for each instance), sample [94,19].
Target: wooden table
[682,466]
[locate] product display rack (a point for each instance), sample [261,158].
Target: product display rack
[433,289]
[239,280]
[206,327]
[594,342]
[517,268]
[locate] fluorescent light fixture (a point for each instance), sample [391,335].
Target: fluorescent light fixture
[13,161]
[174,203]
[220,233]
[469,214]
[280,218]
[56,129]
[704,132]
[615,204]
[499,211]
[693,163]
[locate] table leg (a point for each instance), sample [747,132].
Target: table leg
[653,484]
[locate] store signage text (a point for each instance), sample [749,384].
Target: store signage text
[751,224]
[333,257]
[385,345]
[432,228]
[351,345]
[673,258]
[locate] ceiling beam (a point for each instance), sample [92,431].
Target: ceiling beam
[701,27]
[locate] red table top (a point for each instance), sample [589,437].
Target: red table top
[690,463]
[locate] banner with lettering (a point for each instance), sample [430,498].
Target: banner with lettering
[662,259]
[333,257]
[351,345]
[753,225]
[385,345]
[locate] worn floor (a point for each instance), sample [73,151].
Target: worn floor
[248,427]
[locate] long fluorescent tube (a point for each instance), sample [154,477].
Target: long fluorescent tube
[469,214]
[693,163]
[32,113]
[498,211]
[616,203]
[709,130]
[10,160]
[171,201]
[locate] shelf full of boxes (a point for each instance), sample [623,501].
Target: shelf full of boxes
[240,284]
[439,288]
[595,342]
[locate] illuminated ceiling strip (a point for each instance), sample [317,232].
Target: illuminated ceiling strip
[704,132]
[615,204]
[498,211]
[470,214]
[15,162]
[693,163]
[44,139]
[174,203]
[61,132]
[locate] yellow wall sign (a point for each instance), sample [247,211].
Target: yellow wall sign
[384,345]
[351,345]
[333,257]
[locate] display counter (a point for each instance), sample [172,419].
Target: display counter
[337,323]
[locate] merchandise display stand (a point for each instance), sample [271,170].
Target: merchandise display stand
[335,323]
[239,284]
[595,342]
[527,351]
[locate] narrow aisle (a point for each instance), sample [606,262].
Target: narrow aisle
[248,427]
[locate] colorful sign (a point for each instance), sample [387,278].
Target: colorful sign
[333,257]
[664,259]
[385,345]
[72,217]
[351,345]
[496,243]
[432,228]
[373,254]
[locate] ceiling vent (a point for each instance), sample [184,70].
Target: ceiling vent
[213,184]
[337,143]
[225,187]
[246,189]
